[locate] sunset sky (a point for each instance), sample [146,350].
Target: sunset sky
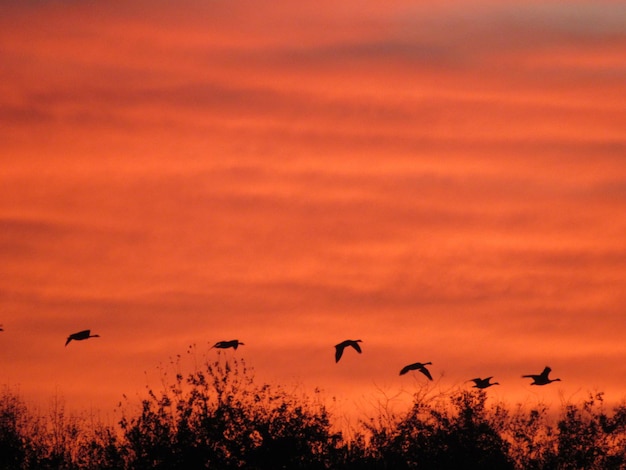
[444,180]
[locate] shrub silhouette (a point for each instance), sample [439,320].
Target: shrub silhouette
[13,443]
[463,435]
[532,440]
[219,418]
[588,438]
[56,441]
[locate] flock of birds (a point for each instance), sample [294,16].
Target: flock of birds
[538,379]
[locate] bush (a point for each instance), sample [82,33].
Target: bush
[438,436]
[56,441]
[13,444]
[218,417]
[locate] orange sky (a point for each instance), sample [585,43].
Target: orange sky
[445,181]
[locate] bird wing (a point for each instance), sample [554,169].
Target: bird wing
[405,369]
[69,338]
[338,352]
[356,346]
[426,372]
[545,372]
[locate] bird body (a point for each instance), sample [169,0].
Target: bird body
[483,383]
[541,379]
[81,335]
[235,343]
[344,344]
[420,366]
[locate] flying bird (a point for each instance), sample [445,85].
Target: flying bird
[483,383]
[344,344]
[418,366]
[541,379]
[235,343]
[81,335]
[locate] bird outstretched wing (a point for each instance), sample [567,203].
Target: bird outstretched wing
[426,372]
[416,366]
[338,352]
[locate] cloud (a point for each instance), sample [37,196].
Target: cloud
[446,184]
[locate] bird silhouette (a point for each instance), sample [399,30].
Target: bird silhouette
[421,366]
[235,343]
[483,383]
[344,344]
[81,335]
[541,379]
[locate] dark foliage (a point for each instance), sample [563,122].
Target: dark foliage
[30,441]
[218,417]
[441,437]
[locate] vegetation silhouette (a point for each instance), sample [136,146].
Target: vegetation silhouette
[218,416]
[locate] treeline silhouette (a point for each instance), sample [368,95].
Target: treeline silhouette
[219,417]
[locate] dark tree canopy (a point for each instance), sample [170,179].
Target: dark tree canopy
[219,417]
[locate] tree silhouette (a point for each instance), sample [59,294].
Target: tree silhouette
[531,438]
[218,417]
[12,443]
[590,439]
[463,435]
